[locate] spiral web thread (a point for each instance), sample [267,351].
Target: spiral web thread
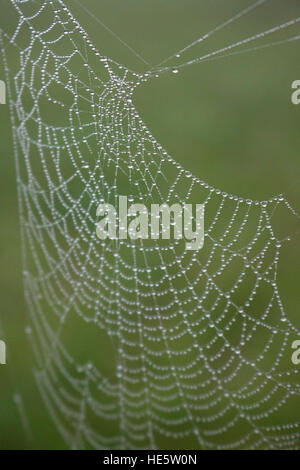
[200,339]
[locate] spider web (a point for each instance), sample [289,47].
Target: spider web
[138,344]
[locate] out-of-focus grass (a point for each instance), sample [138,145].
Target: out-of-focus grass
[229,121]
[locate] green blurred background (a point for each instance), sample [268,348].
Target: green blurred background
[230,121]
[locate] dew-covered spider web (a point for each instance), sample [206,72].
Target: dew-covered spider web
[139,344]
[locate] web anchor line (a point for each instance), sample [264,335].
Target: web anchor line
[206,36]
[215,54]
